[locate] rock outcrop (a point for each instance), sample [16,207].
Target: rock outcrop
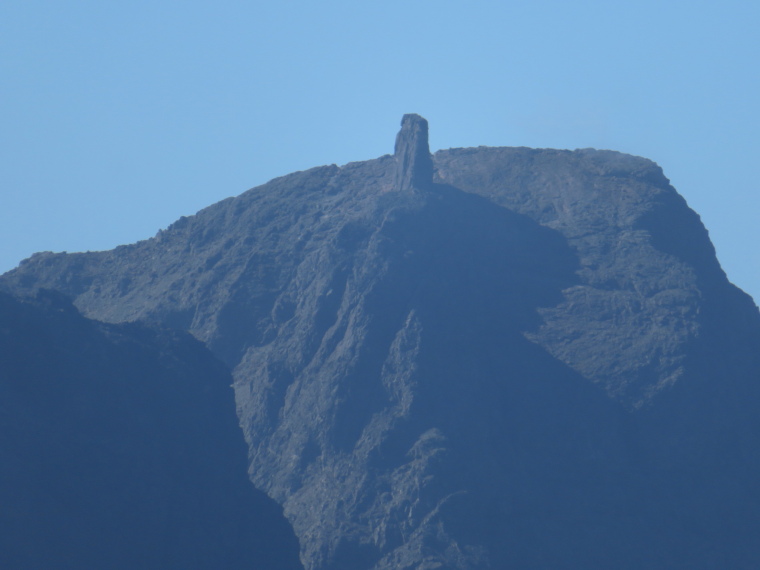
[487,358]
[414,165]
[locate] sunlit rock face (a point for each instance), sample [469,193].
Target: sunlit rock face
[414,166]
[483,358]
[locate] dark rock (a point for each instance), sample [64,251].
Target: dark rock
[120,448]
[531,360]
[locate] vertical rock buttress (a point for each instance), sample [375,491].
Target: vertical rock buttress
[414,165]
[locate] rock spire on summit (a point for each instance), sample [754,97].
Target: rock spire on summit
[414,165]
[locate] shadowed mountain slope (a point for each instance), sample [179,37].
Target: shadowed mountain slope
[483,358]
[120,448]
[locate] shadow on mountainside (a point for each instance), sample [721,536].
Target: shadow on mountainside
[419,372]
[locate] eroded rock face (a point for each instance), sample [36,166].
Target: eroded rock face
[414,166]
[491,358]
[645,262]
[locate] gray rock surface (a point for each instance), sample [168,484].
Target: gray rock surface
[487,358]
[414,166]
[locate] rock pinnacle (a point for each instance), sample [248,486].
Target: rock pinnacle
[414,165]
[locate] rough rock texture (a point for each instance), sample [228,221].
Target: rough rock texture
[645,261]
[531,360]
[414,167]
[119,448]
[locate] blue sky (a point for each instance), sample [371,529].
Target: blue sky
[117,118]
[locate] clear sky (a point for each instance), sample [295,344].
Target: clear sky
[116,118]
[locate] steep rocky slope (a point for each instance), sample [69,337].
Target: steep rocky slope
[487,358]
[120,448]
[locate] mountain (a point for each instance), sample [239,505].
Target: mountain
[120,448]
[480,358]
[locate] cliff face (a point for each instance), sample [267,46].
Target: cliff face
[120,448]
[489,357]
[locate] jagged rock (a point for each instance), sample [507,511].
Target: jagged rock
[532,360]
[414,166]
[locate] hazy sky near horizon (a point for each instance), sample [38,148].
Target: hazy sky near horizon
[117,118]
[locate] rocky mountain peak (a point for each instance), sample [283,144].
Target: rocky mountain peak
[414,165]
[522,358]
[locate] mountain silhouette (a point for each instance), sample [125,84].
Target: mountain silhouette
[120,449]
[479,358]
